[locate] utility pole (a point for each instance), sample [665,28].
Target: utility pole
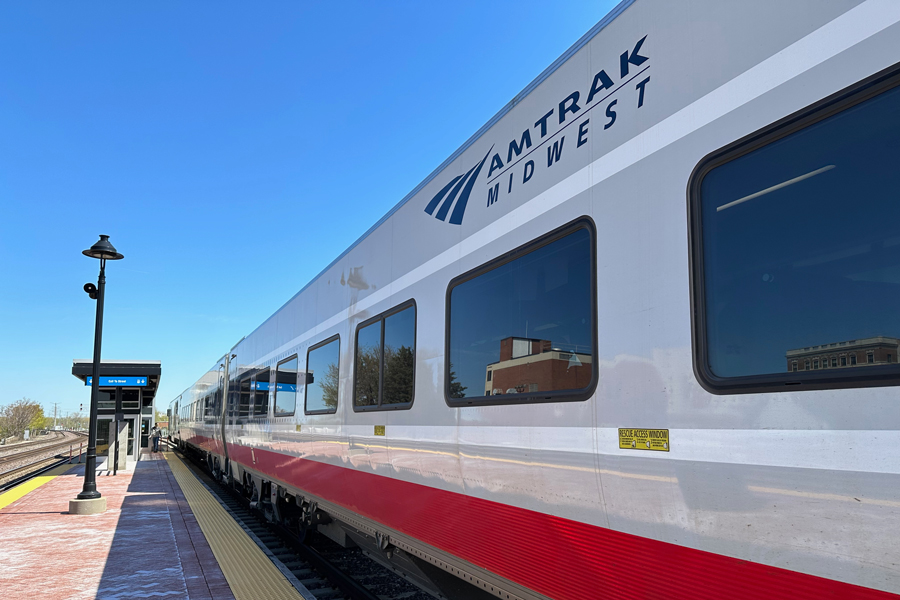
[55,404]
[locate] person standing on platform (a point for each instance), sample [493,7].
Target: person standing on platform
[155,434]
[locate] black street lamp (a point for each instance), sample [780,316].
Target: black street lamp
[104,251]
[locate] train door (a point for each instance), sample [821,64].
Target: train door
[146,426]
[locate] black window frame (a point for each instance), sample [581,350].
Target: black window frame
[309,351]
[381,317]
[584,222]
[875,376]
[275,412]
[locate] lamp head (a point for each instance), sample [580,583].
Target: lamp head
[103,250]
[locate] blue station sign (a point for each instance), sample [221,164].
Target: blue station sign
[118,381]
[263,386]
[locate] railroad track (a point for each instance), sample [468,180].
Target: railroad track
[9,459]
[15,448]
[22,474]
[328,571]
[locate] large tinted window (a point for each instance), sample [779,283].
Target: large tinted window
[322,377]
[386,359]
[799,252]
[399,357]
[522,328]
[286,387]
[131,399]
[106,399]
[368,364]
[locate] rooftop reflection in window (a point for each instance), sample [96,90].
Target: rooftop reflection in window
[525,326]
[801,247]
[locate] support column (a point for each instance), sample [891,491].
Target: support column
[123,445]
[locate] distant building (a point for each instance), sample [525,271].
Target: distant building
[841,355]
[531,365]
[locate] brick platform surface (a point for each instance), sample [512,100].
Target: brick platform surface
[146,545]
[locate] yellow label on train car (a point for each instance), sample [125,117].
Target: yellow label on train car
[379,430]
[298,428]
[644,439]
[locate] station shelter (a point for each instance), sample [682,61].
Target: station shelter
[125,407]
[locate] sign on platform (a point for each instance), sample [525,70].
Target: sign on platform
[118,381]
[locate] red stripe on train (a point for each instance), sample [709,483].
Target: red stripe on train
[557,557]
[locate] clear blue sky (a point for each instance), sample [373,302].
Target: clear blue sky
[230,150]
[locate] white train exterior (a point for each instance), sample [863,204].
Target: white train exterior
[597,202]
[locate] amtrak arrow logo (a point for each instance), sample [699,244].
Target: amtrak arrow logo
[451,192]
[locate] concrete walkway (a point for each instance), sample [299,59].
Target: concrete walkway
[146,545]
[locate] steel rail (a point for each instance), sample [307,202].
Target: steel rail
[14,448]
[23,478]
[52,450]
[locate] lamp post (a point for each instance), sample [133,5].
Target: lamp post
[89,500]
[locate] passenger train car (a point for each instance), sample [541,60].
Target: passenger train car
[637,338]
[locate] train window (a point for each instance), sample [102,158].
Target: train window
[385,360]
[261,394]
[796,247]
[322,376]
[244,398]
[286,387]
[233,397]
[208,408]
[522,327]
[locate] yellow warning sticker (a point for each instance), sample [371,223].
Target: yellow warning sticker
[644,439]
[298,428]
[379,430]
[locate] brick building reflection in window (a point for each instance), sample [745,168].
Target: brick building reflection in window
[533,365]
[878,350]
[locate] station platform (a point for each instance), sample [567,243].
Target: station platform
[163,535]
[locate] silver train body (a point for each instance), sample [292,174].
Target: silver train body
[680,464]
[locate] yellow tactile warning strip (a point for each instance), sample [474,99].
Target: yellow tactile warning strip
[249,572]
[17,492]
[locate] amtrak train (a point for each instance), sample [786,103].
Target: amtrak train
[637,338]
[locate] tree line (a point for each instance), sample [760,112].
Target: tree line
[25,413]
